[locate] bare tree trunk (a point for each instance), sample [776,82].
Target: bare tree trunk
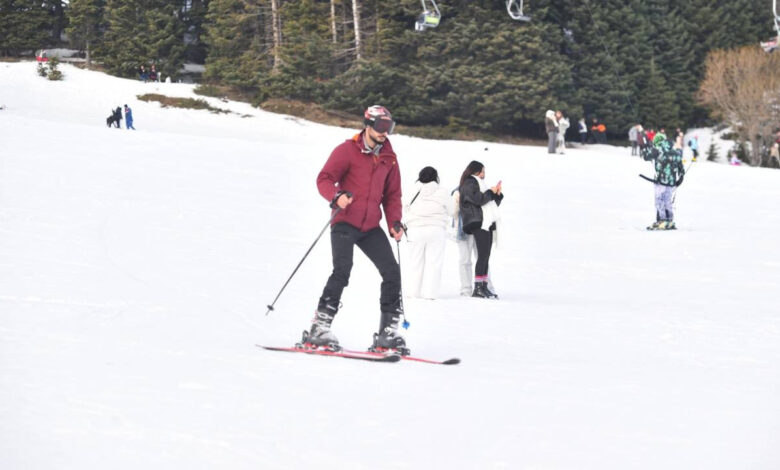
[333,20]
[276,25]
[356,20]
[88,54]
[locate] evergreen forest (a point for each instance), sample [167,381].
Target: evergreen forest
[621,61]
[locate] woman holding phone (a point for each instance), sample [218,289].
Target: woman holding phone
[479,211]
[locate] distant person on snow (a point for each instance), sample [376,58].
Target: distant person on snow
[693,143]
[426,218]
[583,130]
[669,172]
[633,136]
[774,151]
[734,159]
[641,139]
[551,127]
[602,133]
[129,118]
[599,132]
[479,210]
[360,176]
[563,126]
[143,75]
[153,74]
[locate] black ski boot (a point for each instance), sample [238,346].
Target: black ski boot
[320,336]
[389,339]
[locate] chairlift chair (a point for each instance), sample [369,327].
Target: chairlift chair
[515,10]
[430,17]
[773,43]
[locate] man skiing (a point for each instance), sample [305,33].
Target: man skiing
[361,175]
[669,171]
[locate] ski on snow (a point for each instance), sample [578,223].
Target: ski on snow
[447,362]
[362,355]
[373,357]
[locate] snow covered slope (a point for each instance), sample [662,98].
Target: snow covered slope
[135,268]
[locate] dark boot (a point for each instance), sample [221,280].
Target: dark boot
[480,290]
[320,335]
[490,293]
[389,338]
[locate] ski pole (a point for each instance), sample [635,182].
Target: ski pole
[333,216]
[685,172]
[406,323]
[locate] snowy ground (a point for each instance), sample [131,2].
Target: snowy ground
[135,268]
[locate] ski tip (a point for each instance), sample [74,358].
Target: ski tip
[451,362]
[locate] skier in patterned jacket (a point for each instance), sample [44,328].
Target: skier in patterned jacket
[669,172]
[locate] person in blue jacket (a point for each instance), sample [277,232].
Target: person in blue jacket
[129,118]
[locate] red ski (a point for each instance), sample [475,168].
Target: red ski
[365,356]
[447,362]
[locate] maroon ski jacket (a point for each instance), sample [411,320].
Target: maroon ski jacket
[373,180]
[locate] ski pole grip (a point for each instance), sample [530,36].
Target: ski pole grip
[333,203]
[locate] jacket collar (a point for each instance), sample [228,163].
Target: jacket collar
[360,141]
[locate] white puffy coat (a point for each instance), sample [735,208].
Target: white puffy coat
[432,207]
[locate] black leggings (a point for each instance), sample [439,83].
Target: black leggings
[375,245]
[484,241]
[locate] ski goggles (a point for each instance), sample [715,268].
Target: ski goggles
[383,126]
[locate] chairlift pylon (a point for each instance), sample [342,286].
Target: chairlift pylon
[515,10]
[430,17]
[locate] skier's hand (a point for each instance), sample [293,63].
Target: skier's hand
[344,200]
[397,231]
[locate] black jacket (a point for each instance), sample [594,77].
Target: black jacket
[471,202]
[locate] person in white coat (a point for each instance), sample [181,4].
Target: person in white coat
[427,217]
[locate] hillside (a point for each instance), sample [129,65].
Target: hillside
[135,268]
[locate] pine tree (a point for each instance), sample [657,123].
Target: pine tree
[306,52]
[658,101]
[742,23]
[673,54]
[609,53]
[56,10]
[194,17]
[24,25]
[238,53]
[85,18]
[143,32]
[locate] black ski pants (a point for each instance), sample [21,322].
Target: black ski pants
[375,245]
[484,242]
